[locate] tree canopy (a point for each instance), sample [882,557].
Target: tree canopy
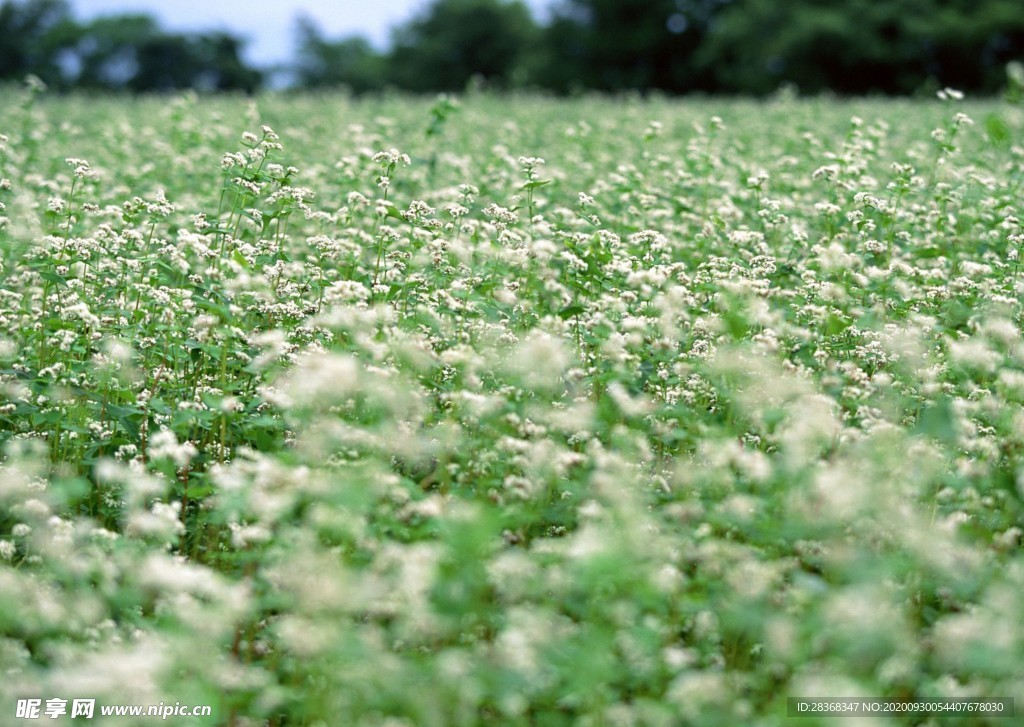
[118,52]
[455,40]
[673,46]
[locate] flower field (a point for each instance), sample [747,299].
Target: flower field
[510,410]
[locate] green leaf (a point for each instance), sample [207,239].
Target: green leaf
[390,210]
[53,278]
[199,490]
[834,325]
[997,130]
[212,306]
[938,421]
[570,311]
[736,323]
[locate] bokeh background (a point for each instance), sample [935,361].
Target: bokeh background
[857,47]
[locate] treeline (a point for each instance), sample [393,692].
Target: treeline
[674,46]
[123,52]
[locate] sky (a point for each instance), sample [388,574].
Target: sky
[269,24]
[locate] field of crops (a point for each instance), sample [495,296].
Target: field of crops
[510,410]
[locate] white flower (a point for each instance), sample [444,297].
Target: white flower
[392,157]
[540,360]
[164,445]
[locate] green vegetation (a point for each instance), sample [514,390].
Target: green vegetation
[510,411]
[115,52]
[674,46]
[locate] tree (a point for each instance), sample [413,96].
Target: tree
[454,41]
[862,46]
[206,62]
[33,33]
[614,45]
[968,43]
[124,52]
[106,53]
[131,52]
[349,62]
[225,70]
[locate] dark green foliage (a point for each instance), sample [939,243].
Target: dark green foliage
[674,46]
[106,50]
[635,44]
[860,46]
[32,35]
[349,62]
[454,41]
[118,52]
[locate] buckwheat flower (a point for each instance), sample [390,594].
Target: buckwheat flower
[524,635]
[530,164]
[161,207]
[200,222]
[588,541]
[501,214]
[699,692]
[629,405]
[1001,329]
[232,159]
[519,487]
[82,168]
[962,119]
[323,378]
[34,509]
[417,210]
[654,130]
[828,172]
[392,157]
[701,348]
[162,521]
[243,536]
[539,360]
[455,210]
[980,629]
[648,239]
[758,181]
[950,94]
[164,444]
[62,532]
[7,550]
[1008,540]
[975,354]
[763,265]
[250,186]
[430,507]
